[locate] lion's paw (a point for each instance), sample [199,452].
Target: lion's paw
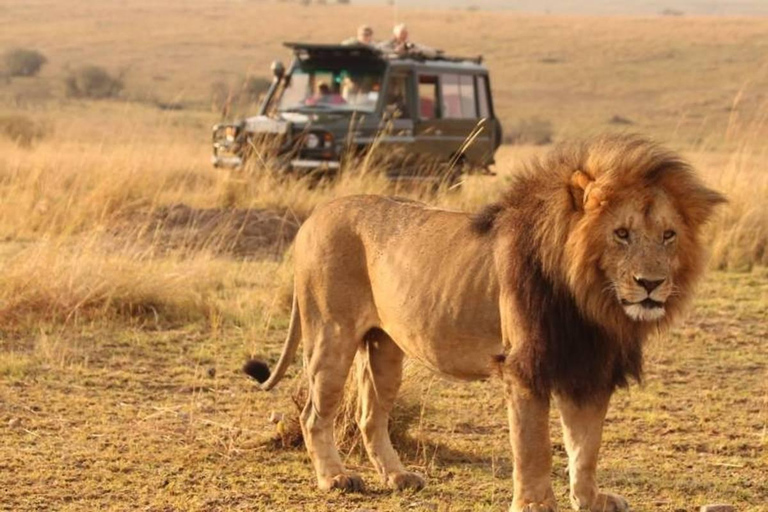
[607,502]
[534,507]
[345,482]
[405,480]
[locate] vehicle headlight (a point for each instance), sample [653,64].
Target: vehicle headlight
[311,141]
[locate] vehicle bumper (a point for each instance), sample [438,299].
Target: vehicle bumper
[303,164]
[297,164]
[227,162]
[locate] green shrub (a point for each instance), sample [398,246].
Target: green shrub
[23,62]
[92,82]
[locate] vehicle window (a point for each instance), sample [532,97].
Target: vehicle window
[458,96]
[295,92]
[428,96]
[482,96]
[331,89]
[467,93]
[360,91]
[451,97]
[397,96]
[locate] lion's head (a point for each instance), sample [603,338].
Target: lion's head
[634,249]
[599,244]
[617,220]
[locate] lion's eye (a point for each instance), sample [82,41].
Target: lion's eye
[622,234]
[669,235]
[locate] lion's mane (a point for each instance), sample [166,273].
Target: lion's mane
[580,342]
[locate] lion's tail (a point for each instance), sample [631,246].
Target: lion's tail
[260,371]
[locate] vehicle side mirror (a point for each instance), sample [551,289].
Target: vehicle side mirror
[278,70]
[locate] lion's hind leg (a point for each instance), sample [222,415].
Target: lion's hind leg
[379,374]
[329,352]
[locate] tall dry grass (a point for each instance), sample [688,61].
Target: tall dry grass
[739,235]
[68,283]
[81,238]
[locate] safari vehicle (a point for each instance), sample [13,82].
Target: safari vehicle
[335,101]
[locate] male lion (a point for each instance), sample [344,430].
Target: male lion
[557,286]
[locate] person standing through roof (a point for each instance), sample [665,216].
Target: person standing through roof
[401,44]
[364,36]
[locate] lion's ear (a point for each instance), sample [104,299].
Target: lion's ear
[695,201]
[586,195]
[580,180]
[702,204]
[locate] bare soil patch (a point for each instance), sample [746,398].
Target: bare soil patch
[236,232]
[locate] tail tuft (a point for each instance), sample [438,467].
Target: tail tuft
[257,369]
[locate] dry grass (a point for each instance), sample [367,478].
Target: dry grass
[100,419]
[134,279]
[61,284]
[109,305]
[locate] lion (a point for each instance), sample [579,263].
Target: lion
[555,287]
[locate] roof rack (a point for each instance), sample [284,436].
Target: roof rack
[312,50]
[438,55]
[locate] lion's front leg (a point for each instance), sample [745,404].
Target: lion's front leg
[531,450]
[583,430]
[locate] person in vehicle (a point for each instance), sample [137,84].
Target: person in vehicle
[395,101]
[324,95]
[401,43]
[364,36]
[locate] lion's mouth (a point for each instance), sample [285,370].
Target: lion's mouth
[647,303]
[646,310]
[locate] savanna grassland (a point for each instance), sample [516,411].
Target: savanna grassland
[135,280]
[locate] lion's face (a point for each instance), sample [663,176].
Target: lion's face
[633,248]
[640,259]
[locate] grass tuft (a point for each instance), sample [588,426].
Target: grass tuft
[60,283]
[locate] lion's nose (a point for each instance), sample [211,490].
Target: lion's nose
[649,284]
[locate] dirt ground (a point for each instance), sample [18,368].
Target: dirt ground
[135,280]
[162,420]
[237,232]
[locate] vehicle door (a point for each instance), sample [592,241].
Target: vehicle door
[449,119]
[430,128]
[465,131]
[390,135]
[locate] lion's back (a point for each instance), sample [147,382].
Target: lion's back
[374,218]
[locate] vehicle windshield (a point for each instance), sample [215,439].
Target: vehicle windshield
[331,88]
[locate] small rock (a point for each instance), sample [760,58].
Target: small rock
[14,422]
[717,508]
[276,417]
[617,119]
[212,372]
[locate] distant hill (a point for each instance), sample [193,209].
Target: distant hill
[592,7]
[698,81]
